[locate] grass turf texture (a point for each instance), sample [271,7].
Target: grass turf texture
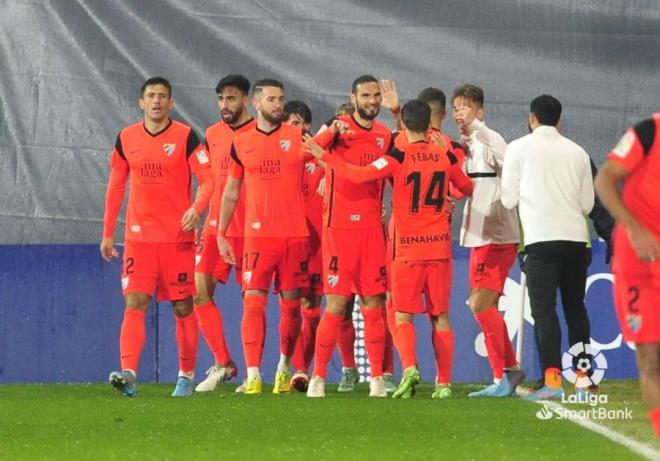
[96,422]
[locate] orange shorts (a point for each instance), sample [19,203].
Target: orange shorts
[637,304]
[636,292]
[315,266]
[411,279]
[208,260]
[490,265]
[354,260]
[283,260]
[166,266]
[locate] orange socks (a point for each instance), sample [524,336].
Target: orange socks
[405,343]
[553,378]
[443,346]
[326,340]
[307,339]
[491,323]
[374,338]
[290,321]
[131,339]
[187,336]
[253,329]
[346,343]
[211,324]
[388,361]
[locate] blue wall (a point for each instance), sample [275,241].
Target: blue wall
[61,310]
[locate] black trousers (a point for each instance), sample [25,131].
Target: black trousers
[548,266]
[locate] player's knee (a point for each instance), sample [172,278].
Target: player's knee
[373,302]
[201,298]
[441,322]
[481,299]
[402,317]
[138,301]
[183,308]
[336,305]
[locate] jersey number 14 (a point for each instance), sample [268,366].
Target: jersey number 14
[433,197]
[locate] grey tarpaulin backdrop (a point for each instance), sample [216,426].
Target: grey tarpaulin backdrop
[70,72]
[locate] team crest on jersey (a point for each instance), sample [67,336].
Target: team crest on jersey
[247,276]
[380,142]
[333,280]
[285,144]
[169,149]
[202,157]
[624,145]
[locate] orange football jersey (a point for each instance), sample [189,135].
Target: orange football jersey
[421,173]
[219,138]
[272,166]
[159,166]
[349,205]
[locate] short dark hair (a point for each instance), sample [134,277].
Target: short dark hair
[151,81]
[547,109]
[470,92]
[237,81]
[435,98]
[298,107]
[346,108]
[264,82]
[362,79]
[416,115]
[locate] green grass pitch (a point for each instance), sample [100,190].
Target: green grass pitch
[95,422]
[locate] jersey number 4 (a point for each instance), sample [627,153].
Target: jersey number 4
[433,197]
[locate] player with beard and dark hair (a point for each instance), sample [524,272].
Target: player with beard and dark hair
[232,91]
[270,161]
[353,238]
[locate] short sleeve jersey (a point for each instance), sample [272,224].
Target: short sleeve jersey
[419,191]
[160,167]
[638,152]
[349,205]
[219,138]
[271,165]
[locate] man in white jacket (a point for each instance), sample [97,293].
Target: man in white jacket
[491,231]
[548,177]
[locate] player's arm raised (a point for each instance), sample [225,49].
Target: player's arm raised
[113,197]
[230,197]
[199,163]
[380,168]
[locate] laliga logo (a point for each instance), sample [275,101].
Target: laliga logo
[583,365]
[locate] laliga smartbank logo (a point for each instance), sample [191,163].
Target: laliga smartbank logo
[584,366]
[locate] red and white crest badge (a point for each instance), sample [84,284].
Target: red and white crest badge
[285,144]
[380,142]
[169,149]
